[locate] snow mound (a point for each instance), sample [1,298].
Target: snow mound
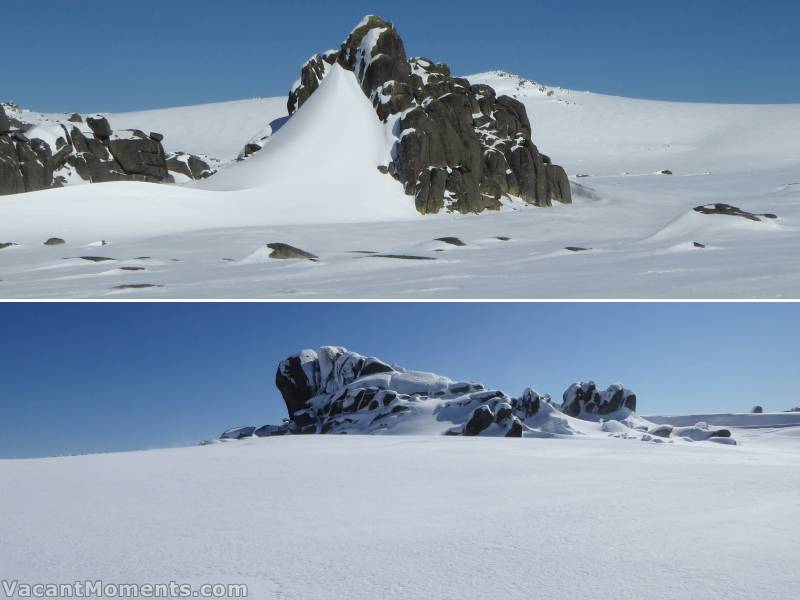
[327,154]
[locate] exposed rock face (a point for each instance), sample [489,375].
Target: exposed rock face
[93,152]
[583,399]
[458,146]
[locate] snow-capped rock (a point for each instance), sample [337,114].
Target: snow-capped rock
[333,390]
[457,146]
[584,400]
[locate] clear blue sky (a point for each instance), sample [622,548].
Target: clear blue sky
[98,377]
[96,55]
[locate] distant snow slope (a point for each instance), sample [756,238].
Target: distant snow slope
[597,134]
[417,518]
[218,130]
[637,230]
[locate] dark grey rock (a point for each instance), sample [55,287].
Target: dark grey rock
[515,431]
[577,249]
[137,286]
[453,241]
[758,410]
[481,418]
[100,127]
[5,122]
[54,241]
[733,211]
[5,245]
[189,165]
[698,245]
[156,137]
[75,118]
[286,252]
[96,259]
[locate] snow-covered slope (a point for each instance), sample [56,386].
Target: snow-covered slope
[596,134]
[639,233]
[335,141]
[218,130]
[367,517]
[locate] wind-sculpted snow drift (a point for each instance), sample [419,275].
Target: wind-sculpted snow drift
[456,146]
[333,390]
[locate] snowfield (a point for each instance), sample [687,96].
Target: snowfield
[370,517]
[316,186]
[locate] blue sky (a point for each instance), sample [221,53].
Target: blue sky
[96,55]
[104,377]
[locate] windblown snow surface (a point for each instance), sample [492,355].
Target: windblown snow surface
[588,516]
[316,186]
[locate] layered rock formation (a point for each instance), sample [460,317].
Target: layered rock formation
[90,151]
[459,147]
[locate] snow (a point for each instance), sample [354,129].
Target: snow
[417,517]
[638,227]
[218,130]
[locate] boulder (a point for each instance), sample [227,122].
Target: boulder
[54,241]
[286,252]
[190,165]
[515,431]
[100,127]
[481,418]
[757,410]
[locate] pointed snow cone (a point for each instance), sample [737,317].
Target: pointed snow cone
[324,158]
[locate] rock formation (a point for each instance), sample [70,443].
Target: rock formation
[582,399]
[332,390]
[459,147]
[91,151]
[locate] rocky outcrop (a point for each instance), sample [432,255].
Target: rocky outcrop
[459,147]
[583,399]
[92,151]
[332,390]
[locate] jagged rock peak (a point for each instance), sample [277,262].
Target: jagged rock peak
[459,147]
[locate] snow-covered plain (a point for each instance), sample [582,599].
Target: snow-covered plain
[638,226]
[298,517]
